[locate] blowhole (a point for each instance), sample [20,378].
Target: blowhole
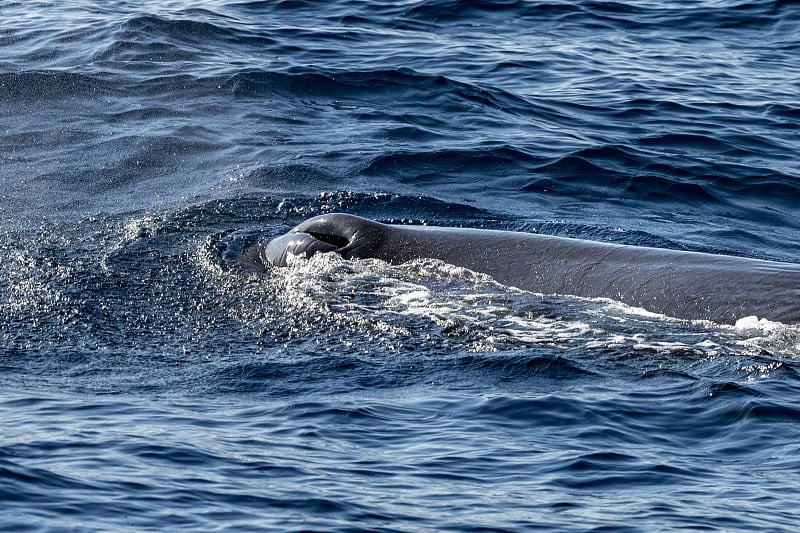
[334,240]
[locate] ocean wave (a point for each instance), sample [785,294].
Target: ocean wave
[627,15]
[400,84]
[415,166]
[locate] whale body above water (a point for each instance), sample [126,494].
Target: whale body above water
[679,284]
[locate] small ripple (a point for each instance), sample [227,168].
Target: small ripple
[686,143]
[38,86]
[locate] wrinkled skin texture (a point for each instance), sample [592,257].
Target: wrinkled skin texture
[687,285]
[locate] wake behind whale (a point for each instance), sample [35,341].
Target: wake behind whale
[680,284]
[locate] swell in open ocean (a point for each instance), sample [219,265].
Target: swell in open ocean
[148,381]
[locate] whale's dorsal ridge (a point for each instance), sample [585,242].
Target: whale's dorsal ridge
[680,284]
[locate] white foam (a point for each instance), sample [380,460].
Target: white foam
[430,303]
[750,323]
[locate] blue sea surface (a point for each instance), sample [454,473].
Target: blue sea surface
[148,383]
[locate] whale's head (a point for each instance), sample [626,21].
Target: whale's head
[348,235]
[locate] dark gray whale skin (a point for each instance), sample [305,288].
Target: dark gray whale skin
[685,285]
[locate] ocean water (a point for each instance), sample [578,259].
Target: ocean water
[147,383]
